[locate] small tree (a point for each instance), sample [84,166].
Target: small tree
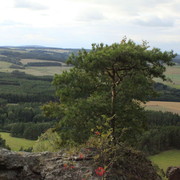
[113,81]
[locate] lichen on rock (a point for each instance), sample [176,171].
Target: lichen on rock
[61,166]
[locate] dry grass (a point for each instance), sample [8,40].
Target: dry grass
[164,106]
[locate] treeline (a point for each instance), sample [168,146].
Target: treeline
[24,120]
[43,64]
[15,55]
[163,132]
[25,112]
[16,98]
[28,130]
[160,139]
[19,87]
[23,75]
[159,118]
[21,98]
[166,93]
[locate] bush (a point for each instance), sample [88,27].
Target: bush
[3,143]
[49,141]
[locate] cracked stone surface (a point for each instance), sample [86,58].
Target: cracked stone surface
[58,166]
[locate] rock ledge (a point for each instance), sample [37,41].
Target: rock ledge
[57,166]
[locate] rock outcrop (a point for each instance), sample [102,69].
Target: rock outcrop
[58,166]
[173,173]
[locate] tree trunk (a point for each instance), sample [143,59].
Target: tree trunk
[113,105]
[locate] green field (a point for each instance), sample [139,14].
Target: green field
[16,58]
[36,71]
[174,74]
[45,71]
[166,159]
[16,143]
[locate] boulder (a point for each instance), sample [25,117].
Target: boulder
[173,173]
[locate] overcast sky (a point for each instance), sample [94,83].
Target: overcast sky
[79,23]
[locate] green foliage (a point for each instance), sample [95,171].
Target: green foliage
[24,120]
[48,141]
[159,119]
[162,133]
[29,149]
[160,139]
[19,87]
[3,143]
[25,112]
[111,81]
[166,93]
[29,130]
[43,64]
[117,159]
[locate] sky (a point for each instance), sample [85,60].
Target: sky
[79,23]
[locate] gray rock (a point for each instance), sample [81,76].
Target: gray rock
[173,173]
[58,166]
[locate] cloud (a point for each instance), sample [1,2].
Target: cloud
[29,5]
[90,15]
[12,23]
[37,37]
[154,21]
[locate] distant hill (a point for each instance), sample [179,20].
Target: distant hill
[177,59]
[14,54]
[36,60]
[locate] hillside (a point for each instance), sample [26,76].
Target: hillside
[15,54]
[20,87]
[34,60]
[177,59]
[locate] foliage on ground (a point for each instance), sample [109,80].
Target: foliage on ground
[115,161]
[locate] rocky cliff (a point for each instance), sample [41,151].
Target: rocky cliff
[59,166]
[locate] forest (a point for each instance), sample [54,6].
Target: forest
[97,102]
[21,98]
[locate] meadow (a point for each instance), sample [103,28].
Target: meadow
[166,159]
[44,71]
[16,143]
[5,66]
[36,71]
[174,74]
